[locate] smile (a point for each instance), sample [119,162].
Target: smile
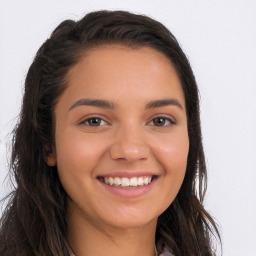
[126,182]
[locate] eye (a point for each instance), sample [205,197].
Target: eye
[94,121]
[162,121]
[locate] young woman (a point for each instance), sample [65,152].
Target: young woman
[107,154]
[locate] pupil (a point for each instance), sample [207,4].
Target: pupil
[94,121]
[159,121]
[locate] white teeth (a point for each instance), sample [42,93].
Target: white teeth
[140,181]
[127,182]
[111,181]
[133,182]
[145,180]
[117,181]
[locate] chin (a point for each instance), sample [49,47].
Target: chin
[131,220]
[132,224]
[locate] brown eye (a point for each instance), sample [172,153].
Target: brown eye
[159,121]
[94,121]
[162,121]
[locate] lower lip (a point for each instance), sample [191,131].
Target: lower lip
[132,192]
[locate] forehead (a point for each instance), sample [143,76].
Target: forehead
[115,71]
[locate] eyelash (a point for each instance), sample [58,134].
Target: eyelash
[165,119]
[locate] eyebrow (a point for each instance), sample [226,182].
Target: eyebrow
[163,103]
[112,105]
[94,102]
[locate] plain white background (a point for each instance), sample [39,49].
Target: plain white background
[219,39]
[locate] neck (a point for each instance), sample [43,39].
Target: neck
[88,239]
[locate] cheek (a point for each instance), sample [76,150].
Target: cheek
[77,154]
[176,159]
[175,154]
[77,158]
[172,154]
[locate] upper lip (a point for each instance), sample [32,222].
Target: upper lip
[128,174]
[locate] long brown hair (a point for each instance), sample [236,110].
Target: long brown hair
[34,221]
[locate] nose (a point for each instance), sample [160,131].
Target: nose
[130,145]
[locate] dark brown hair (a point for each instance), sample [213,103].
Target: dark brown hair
[34,222]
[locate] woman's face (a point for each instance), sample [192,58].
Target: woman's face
[121,136]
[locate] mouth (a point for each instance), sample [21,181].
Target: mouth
[125,182]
